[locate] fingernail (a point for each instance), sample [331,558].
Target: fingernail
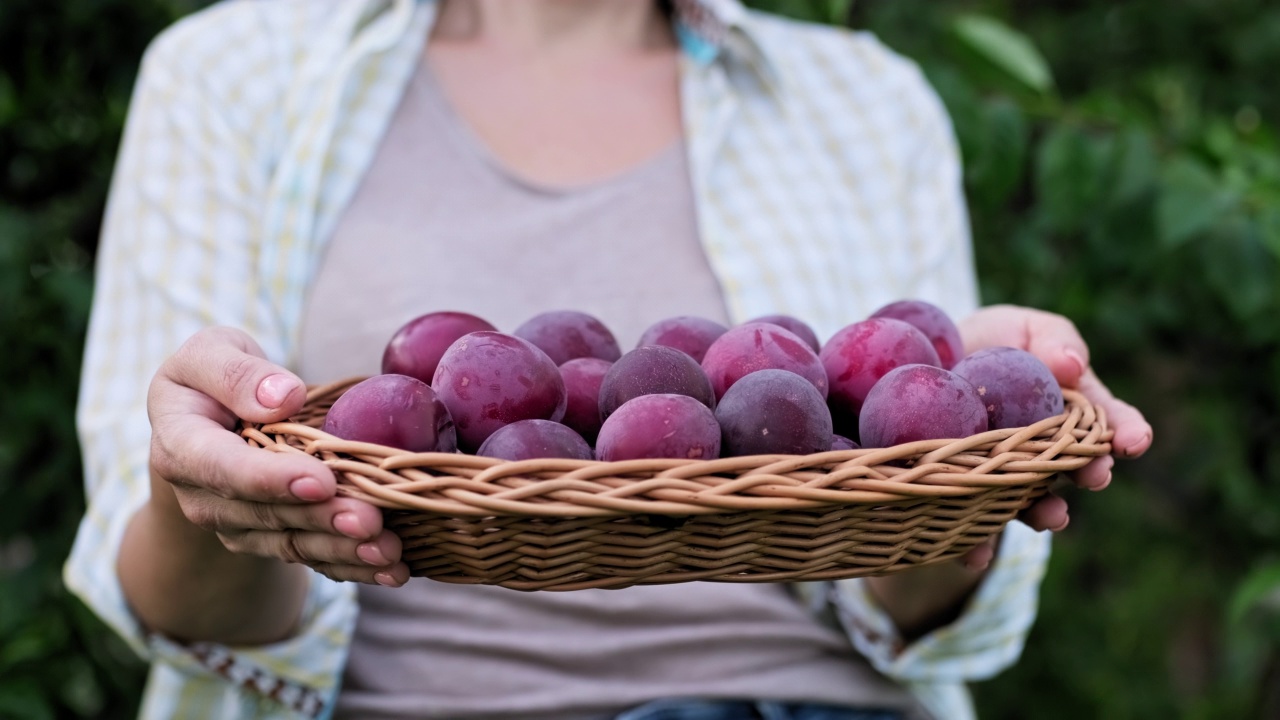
[385,579]
[371,554]
[1143,442]
[273,390]
[307,488]
[1074,357]
[348,524]
[1063,526]
[1102,485]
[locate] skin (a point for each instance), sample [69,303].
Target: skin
[229,528]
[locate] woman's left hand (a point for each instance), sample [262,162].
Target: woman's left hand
[1055,340]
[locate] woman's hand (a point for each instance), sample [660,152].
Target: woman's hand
[274,505]
[1055,340]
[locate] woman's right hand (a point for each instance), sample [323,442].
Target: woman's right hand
[257,502]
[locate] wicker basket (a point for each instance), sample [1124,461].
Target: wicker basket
[573,524]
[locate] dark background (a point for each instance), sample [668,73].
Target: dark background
[1122,169]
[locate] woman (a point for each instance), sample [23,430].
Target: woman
[309,174]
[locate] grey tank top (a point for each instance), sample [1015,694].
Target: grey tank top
[438,224]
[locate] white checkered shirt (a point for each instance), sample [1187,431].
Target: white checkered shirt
[827,183]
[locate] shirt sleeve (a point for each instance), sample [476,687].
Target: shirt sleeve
[177,254]
[989,635]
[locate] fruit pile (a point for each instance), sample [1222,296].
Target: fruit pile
[559,386]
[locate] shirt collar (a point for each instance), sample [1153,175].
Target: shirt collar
[720,30]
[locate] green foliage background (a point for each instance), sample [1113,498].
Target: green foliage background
[1122,169]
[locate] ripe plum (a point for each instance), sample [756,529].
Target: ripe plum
[840,442]
[582,379]
[653,370]
[393,410]
[933,322]
[531,439]
[773,412]
[567,334]
[660,426]
[760,346]
[488,379]
[860,354]
[687,333]
[1015,386]
[416,347]
[795,325]
[920,402]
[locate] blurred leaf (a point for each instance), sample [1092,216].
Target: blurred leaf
[1006,49]
[1071,171]
[1259,591]
[1191,200]
[20,700]
[1137,165]
[995,170]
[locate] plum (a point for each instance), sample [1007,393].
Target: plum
[795,325]
[488,379]
[840,442]
[933,322]
[760,346]
[1015,386]
[416,347]
[582,379]
[393,410]
[652,370]
[773,412]
[567,334]
[660,426]
[687,333]
[532,439]
[920,402]
[860,354]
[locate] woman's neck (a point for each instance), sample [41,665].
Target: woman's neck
[559,26]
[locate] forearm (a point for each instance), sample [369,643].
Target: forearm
[921,600]
[182,582]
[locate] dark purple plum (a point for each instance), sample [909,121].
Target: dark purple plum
[860,354]
[920,402]
[687,333]
[840,442]
[533,439]
[797,326]
[660,426]
[393,410]
[488,379]
[933,322]
[773,412]
[653,370]
[416,347]
[1015,386]
[582,379]
[760,346]
[567,334]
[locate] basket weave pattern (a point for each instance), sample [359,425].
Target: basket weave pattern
[572,524]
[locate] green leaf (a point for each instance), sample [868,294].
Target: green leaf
[1269,226]
[1259,590]
[1192,199]
[996,170]
[1005,48]
[1071,170]
[1137,165]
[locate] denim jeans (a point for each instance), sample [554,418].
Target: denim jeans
[751,710]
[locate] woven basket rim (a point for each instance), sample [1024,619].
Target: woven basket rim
[466,485]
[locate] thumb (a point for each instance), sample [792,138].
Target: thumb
[228,366]
[1051,338]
